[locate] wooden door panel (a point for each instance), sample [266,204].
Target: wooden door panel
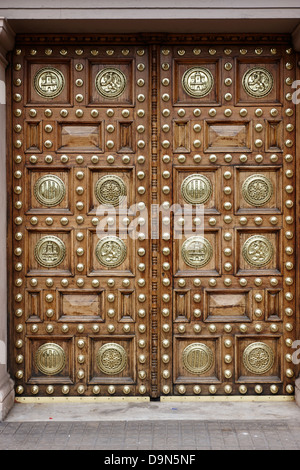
[186,286]
[81,140]
[227,117]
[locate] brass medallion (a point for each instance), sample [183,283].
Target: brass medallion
[110,190]
[49,82]
[257,82]
[257,190]
[50,251]
[49,190]
[197,82]
[196,251]
[111,251]
[197,358]
[196,189]
[50,359]
[111,358]
[110,82]
[258,250]
[258,358]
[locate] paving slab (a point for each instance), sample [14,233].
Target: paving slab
[154,411]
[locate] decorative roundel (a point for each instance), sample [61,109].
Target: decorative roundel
[110,190]
[257,82]
[49,82]
[110,82]
[257,190]
[49,190]
[111,358]
[258,358]
[258,251]
[196,251]
[50,359]
[50,251]
[111,251]
[197,82]
[196,189]
[197,358]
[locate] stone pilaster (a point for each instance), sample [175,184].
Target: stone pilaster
[6,383]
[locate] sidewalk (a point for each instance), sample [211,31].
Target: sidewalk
[172,426]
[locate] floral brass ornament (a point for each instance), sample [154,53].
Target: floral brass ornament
[111,358]
[50,359]
[50,251]
[49,82]
[258,251]
[257,190]
[110,190]
[197,358]
[49,190]
[258,358]
[111,251]
[196,189]
[257,82]
[196,251]
[110,82]
[197,82]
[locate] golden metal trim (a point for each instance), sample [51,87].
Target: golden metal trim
[49,190]
[197,358]
[111,251]
[110,190]
[79,399]
[257,82]
[258,251]
[110,82]
[197,82]
[196,189]
[258,358]
[49,82]
[50,359]
[111,358]
[196,251]
[234,398]
[51,255]
[257,190]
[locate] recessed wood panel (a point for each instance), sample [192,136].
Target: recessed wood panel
[80,138]
[227,137]
[81,306]
[33,67]
[126,68]
[227,305]
[127,373]
[181,97]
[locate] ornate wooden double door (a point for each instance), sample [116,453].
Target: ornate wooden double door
[153,227]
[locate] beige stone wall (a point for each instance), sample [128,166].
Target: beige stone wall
[101,16]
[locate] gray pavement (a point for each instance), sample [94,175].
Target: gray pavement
[173,427]
[151,435]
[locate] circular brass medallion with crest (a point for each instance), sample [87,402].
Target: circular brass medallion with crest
[50,251]
[197,82]
[110,82]
[197,358]
[258,358]
[257,190]
[49,82]
[257,82]
[110,190]
[50,359]
[196,189]
[49,190]
[258,251]
[196,251]
[111,358]
[111,251]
